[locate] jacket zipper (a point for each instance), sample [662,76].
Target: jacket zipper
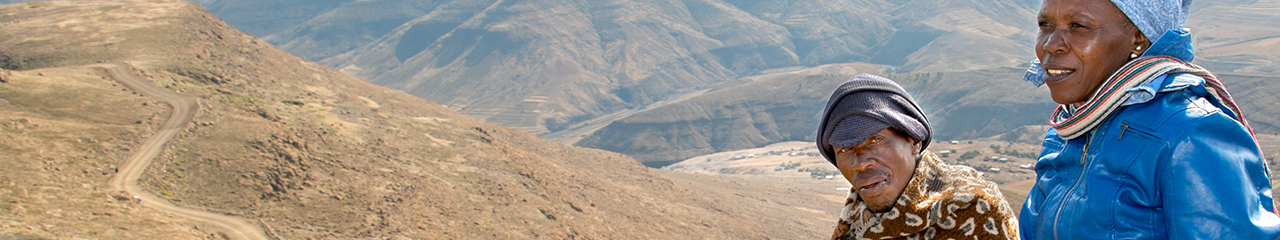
[1083,156]
[1122,128]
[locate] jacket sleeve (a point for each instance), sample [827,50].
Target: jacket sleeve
[1030,211]
[1032,205]
[1215,185]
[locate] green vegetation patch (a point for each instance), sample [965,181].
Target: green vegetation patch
[970,155]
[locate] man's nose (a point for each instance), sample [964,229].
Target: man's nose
[862,161]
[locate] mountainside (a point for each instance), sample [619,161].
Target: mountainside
[961,104]
[785,107]
[304,151]
[1228,38]
[542,66]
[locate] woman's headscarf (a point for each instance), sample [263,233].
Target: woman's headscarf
[1153,17]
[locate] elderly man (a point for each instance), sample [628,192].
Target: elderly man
[874,132]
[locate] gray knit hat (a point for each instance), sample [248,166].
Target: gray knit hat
[864,105]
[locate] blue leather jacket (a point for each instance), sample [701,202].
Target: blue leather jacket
[1171,167]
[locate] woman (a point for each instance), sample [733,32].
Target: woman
[1145,145]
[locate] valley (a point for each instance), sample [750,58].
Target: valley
[1008,160]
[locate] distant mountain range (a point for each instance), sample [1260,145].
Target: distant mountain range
[961,103]
[541,66]
[553,65]
[545,66]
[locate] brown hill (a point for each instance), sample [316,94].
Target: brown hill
[305,151]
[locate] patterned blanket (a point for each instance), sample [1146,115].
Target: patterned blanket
[941,202]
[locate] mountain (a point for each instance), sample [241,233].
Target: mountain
[961,104]
[754,112]
[299,150]
[544,66]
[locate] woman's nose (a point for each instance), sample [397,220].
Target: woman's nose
[1055,43]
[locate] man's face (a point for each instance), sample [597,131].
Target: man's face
[880,167]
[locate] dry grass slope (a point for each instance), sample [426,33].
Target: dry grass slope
[307,151]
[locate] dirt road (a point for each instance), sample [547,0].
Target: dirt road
[184,110]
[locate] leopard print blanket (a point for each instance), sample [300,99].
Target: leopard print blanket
[941,202]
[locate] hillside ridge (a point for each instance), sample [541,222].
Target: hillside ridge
[306,151]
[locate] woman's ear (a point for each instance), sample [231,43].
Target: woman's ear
[1140,43]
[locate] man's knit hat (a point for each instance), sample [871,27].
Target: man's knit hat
[865,105]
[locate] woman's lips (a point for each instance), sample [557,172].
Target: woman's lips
[1057,74]
[1059,71]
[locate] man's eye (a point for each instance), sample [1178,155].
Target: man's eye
[841,150]
[874,140]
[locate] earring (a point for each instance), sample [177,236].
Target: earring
[1133,55]
[1139,48]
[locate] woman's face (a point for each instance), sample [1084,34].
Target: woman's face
[1081,43]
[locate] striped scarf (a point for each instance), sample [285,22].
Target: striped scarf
[1074,120]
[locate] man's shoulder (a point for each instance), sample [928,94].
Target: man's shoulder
[959,175]
[958,183]
[974,203]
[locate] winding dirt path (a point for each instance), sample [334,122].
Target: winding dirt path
[184,110]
